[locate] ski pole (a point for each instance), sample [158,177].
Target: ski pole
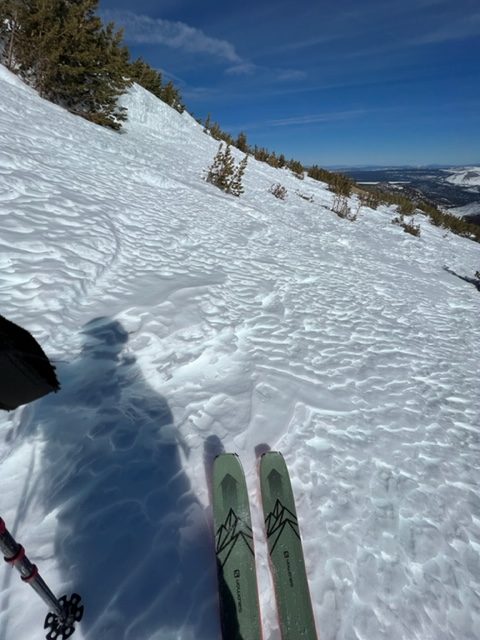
[64,612]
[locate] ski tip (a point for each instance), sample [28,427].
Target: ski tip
[272,454]
[226,454]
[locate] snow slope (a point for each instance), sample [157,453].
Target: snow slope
[184,321]
[465,177]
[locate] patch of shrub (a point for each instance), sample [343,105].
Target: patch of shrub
[408,227]
[369,199]
[304,196]
[448,221]
[278,191]
[337,182]
[342,208]
[297,169]
[406,207]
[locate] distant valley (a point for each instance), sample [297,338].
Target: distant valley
[454,189]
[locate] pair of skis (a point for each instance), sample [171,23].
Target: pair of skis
[239,606]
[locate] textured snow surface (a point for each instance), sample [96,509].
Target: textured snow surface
[183,321]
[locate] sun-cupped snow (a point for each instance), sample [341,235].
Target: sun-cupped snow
[184,321]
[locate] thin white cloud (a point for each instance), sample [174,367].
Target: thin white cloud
[461,29]
[317,117]
[303,44]
[276,75]
[200,93]
[290,74]
[142,29]
[241,69]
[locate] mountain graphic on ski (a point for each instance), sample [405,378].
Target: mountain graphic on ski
[237,580]
[295,613]
[232,532]
[277,520]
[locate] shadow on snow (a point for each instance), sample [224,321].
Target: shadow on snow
[132,538]
[475,281]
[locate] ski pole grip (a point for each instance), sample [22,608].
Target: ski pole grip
[3,527]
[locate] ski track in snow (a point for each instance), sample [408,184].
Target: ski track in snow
[184,321]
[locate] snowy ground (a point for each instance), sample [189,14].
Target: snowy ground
[184,321]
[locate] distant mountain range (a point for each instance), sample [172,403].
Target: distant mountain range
[456,189]
[382,167]
[465,177]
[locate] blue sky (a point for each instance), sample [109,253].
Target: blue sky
[349,82]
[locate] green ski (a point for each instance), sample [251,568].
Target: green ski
[285,548]
[237,579]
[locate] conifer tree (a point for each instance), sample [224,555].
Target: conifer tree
[215,131]
[226,137]
[10,11]
[208,124]
[241,142]
[100,103]
[236,186]
[143,74]
[272,160]
[228,170]
[38,46]
[297,168]
[219,174]
[64,51]
[172,97]
[224,174]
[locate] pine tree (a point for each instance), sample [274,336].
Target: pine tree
[272,160]
[261,154]
[143,74]
[10,11]
[38,44]
[219,173]
[241,142]
[172,97]
[64,51]
[100,103]
[216,167]
[236,186]
[224,174]
[297,168]
[208,124]
[215,131]
[228,170]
